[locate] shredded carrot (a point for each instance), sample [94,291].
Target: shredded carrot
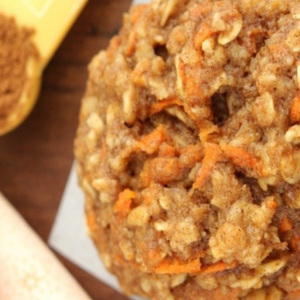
[295,110]
[131,44]
[285,225]
[122,205]
[137,13]
[166,150]
[150,143]
[121,261]
[155,256]
[103,150]
[242,158]
[275,48]
[113,45]
[91,220]
[204,33]
[149,197]
[272,204]
[217,267]
[146,175]
[219,5]
[162,104]
[211,156]
[175,267]
[295,242]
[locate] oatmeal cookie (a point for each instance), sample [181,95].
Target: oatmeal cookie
[188,150]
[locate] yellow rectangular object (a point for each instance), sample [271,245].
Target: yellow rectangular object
[51,20]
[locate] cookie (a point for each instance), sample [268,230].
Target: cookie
[188,150]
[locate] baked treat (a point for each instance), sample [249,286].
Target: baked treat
[188,150]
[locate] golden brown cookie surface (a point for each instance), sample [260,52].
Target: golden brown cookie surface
[188,150]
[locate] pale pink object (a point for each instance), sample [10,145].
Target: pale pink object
[28,269]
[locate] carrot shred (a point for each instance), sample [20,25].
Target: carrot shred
[275,48]
[146,175]
[151,142]
[166,150]
[112,48]
[175,267]
[91,220]
[131,44]
[272,204]
[114,44]
[295,110]
[242,158]
[211,156]
[285,225]
[137,13]
[162,104]
[122,205]
[295,242]
[121,261]
[103,150]
[204,33]
[217,267]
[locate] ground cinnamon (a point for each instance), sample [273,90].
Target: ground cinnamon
[15,50]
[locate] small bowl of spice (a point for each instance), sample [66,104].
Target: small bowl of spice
[30,33]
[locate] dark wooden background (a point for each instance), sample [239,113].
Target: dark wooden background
[36,158]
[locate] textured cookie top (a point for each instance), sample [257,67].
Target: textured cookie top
[188,150]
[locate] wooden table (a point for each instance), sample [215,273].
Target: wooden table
[35,159]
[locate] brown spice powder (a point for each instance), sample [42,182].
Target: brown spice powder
[15,50]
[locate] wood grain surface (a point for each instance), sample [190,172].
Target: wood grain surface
[36,158]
